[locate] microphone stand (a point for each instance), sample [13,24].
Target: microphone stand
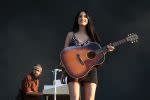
[55,74]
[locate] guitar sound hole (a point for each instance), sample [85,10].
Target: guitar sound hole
[91,55]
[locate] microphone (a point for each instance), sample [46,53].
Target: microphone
[59,70]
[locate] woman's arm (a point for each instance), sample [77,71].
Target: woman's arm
[68,39]
[67,42]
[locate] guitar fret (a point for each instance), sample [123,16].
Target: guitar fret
[119,42]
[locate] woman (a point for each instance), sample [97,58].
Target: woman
[82,33]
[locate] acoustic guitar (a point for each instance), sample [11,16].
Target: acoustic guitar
[79,60]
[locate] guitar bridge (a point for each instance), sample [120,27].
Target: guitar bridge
[80,60]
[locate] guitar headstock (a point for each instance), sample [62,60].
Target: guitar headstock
[133,37]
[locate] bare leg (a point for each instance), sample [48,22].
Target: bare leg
[74,90]
[89,91]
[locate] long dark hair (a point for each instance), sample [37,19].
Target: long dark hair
[89,27]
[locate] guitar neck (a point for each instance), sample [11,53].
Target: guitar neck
[115,44]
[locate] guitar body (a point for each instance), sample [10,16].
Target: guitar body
[78,61]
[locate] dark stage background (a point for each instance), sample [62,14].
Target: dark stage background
[33,31]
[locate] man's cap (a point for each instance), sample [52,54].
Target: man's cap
[37,66]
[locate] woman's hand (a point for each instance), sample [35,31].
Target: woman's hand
[62,78]
[110,47]
[61,64]
[63,74]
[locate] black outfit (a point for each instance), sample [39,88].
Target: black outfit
[91,77]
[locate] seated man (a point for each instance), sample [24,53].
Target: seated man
[30,85]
